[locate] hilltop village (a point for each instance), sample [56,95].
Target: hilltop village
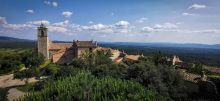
[156,71]
[63,53]
[62,59]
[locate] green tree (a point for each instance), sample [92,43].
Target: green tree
[32,59]
[158,58]
[164,80]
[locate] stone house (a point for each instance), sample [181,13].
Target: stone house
[61,52]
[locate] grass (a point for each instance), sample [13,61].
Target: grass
[214,76]
[45,64]
[27,88]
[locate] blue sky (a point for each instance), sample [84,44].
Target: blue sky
[174,21]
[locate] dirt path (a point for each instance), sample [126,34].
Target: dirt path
[13,94]
[8,81]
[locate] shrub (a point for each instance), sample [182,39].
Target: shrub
[3,94]
[27,73]
[197,68]
[164,80]
[52,69]
[32,59]
[85,86]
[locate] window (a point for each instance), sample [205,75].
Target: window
[42,33]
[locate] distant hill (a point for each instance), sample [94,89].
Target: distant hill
[216,46]
[6,42]
[11,39]
[9,42]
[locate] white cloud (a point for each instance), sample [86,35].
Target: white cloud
[197,6]
[30,11]
[180,23]
[47,2]
[67,13]
[165,26]
[160,27]
[121,27]
[118,27]
[202,31]
[141,20]
[57,29]
[97,28]
[3,20]
[17,26]
[61,24]
[188,14]
[54,4]
[37,23]
[148,29]
[121,24]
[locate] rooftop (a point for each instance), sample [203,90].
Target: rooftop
[85,44]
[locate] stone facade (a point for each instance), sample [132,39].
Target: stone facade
[61,53]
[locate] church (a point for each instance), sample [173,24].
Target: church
[61,53]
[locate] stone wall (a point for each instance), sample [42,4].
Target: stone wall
[43,46]
[81,50]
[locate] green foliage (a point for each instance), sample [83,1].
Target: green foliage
[27,88]
[3,94]
[164,80]
[113,70]
[85,87]
[27,73]
[196,68]
[46,62]
[80,63]
[102,58]
[92,60]
[52,69]
[10,60]
[158,58]
[67,71]
[32,59]
[159,77]
[13,60]
[7,66]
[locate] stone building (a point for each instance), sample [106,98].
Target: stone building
[176,60]
[61,52]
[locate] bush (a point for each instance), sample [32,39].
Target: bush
[113,70]
[67,71]
[52,69]
[27,73]
[7,66]
[3,94]
[85,86]
[32,59]
[196,68]
[164,80]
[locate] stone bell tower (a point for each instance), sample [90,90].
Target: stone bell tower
[43,41]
